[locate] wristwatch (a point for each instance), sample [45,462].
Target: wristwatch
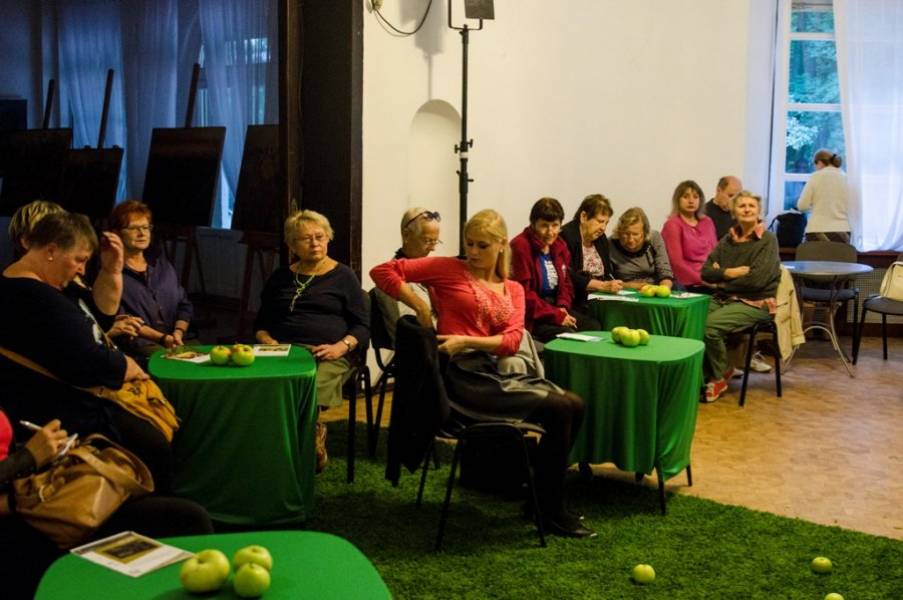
[347,343]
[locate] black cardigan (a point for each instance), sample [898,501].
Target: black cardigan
[570,233]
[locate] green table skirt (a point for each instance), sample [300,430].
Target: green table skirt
[677,317]
[306,564]
[245,448]
[641,402]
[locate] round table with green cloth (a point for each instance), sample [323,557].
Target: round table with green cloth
[678,317]
[306,564]
[641,402]
[245,447]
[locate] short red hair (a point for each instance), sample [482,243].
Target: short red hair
[124,212]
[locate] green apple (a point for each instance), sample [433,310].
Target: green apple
[644,337]
[821,564]
[630,338]
[833,596]
[648,290]
[251,581]
[662,291]
[253,554]
[219,355]
[242,355]
[616,333]
[643,574]
[206,571]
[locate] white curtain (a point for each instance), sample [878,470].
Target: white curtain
[89,44]
[240,52]
[870,70]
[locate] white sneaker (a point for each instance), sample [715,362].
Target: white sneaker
[758,365]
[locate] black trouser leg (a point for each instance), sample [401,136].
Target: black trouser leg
[146,441]
[561,415]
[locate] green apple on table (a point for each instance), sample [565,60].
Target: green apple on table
[206,571]
[662,291]
[219,355]
[644,337]
[616,333]
[253,554]
[251,581]
[630,338]
[648,290]
[242,355]
[643,574]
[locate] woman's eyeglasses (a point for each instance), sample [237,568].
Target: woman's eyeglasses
[139,228]
[429,215]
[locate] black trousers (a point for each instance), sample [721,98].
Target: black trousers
[546,332]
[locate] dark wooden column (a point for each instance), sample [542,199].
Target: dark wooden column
[331,90]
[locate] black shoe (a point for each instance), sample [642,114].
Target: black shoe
[566,525]
[528,512]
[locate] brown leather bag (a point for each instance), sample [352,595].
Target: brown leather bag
[70,499]
[144,399]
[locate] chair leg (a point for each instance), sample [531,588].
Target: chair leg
[383,384]
[352,413]
[425,468]
[689,475]
[368,405]
[534,498]
[884,334]
[777,361]
[855,318]
[448,492]
[749,354]
[661,490]
[859,334]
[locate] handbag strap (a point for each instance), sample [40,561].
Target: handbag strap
[30,364]
[118,475]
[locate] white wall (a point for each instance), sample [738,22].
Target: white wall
[566,99]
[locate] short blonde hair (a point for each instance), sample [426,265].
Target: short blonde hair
[293,224]
[631,217]
[491,223]
[25,218]
[411,223]
[745,194]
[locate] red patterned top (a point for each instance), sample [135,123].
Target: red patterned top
[463,304]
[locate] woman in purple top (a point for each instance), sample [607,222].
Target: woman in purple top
[689,236]
[150,288]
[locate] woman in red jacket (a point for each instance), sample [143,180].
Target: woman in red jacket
[539,262]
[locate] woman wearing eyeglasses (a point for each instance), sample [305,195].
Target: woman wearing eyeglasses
[419,233]
[153,300]
[316,302]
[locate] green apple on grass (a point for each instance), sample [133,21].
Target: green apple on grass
[219,355]
[242,355]
[821,564]
[253,554]
[833,596]
[643,574]
[206,571]
[251,581]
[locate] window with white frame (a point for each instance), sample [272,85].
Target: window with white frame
[807,102]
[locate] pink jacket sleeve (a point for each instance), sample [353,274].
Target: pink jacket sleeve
[522,272]
[683,270]
[389,276]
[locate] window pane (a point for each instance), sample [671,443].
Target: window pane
[813,73]
[806,133]
[812,21]
[792,191]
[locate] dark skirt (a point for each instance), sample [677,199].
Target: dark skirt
[477,388]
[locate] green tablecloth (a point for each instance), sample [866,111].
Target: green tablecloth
[641,402]
[306,564]
[245,449]
[678,317]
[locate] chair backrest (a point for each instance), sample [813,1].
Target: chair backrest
[892,284]
[833,251]
[419,403]
[383,313]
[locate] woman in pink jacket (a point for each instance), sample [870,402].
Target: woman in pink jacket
[480,321]
[689,236]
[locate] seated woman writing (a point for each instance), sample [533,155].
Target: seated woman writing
[591,268]
[745,269]
[53,347]
[480,320]
[689,236]
[540,261]
[151,290]
[638,253]
[25,553]
[316,302]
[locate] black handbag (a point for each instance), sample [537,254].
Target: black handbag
[790,228]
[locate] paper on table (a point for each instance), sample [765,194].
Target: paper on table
[684,294]
[272,349]
[131,553]
[191,356]
[612,297]
[579,337]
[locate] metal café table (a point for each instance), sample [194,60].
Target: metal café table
[641,402]
[245,446]
[306,564]
[834,274]
[677,316]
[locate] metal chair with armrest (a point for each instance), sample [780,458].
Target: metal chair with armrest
[883,306]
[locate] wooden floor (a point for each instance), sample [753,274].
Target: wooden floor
[830,451]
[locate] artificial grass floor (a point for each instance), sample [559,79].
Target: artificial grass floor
[701,549]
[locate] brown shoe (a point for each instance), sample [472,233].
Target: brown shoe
[322,457]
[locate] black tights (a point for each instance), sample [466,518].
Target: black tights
[561,415]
